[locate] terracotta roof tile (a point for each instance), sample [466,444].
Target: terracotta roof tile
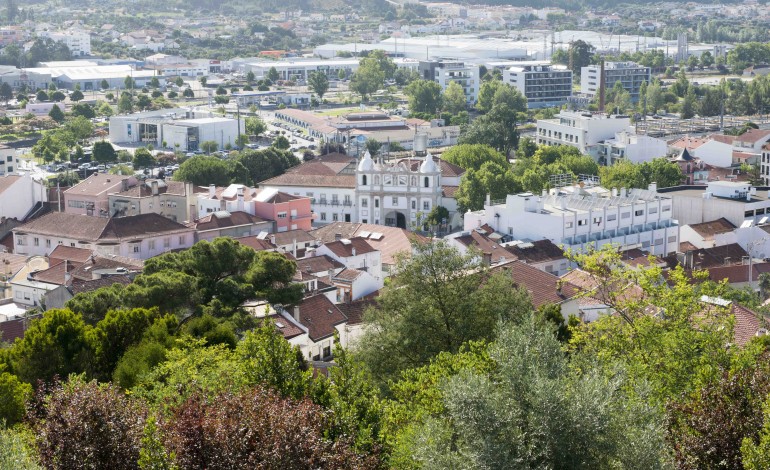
[320,316]
[226,219]
[70,253]
[290,236]
[100,183]
[747,324]
[255,243]
[286,327]
[319,264]
[347,275]
[538,251]
[542,286]
[707,230]
[350,247]
[355,310]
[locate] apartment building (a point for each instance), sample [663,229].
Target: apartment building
[629,74]
[579,129]
[584,217]
[738,202]
[445,72]
[541,83]
[76,40]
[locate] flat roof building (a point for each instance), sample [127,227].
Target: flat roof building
[581,130]
[543,84]
[629,74]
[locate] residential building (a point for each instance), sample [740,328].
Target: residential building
[706,234]
[544,85]
[91,196]
[77,41]
[579,129]
[636,148]
[581,218]
[629,74]
[311,326]
[20,196]
[179,129]
[355,253]
[446,72]
[738,202]
[27,289]
[172,199]
[330,183]
[297,242]
[140,237]
[288,211]
[229,224]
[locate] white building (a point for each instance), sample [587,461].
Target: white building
[20,195]
[300,69]
[738,202]
[9,161]
[355,253]
[446,72]
[633,147]
[76,40]
[582,218]
[581,130]
[174,128]
[541,83]
[89,76]
[629,74]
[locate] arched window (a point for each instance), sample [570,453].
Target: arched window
[414,181]
[363,180]
[427,182]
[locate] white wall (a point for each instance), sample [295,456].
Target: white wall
[17,200]
[715,153]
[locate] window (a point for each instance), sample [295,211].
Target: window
[510,230]
[625,215]
[666,208]
[427,182]
[335,217]
[611,217]
[364,202]
[282,215]
[645,244]
[48,243]
[167,242]
[20,241]
[363,180]
[582,222]
[658,241]
[182,240]
[597,220]
[136,248]
[395,201]
[672,239]
[36,241]
[426,205]
[151,244]
[347,200]
[364,221]
[414,205]
[72,244]
[323,215]
[376,203]
[639,212]
[568,225]
[653,210]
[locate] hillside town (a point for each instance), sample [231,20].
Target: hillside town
[374,234]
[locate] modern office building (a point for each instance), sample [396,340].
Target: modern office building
[541,83]
[445,72]
[629,74]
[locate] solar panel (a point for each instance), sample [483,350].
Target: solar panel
[763,220]
[364,234]
[747,223]
[262,235]
[375,236]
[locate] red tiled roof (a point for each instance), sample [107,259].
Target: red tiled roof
[348,275]
[319,264]
[754,135]
[320,316]
[394,240]
[255,243]
[225,219]
[487,246]
[286,327]
[540,251]
[290,236]
[7,181]
[70,253]
[355,310]
[449,191]
[707,230]
[725,139]
[345,250]
[542,286]
[747,324]
[10,330]
[688,142]
[717,256]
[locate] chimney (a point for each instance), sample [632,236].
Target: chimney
[353,250]
[337,237]
[294,247]
[601,87]
[154,186]
[296,314]
[489,200]
[124,185]
[614,192]
[622,192]
[272,238]
[653,186]
[331,275]
[212,190]
[486,258]
[240,198]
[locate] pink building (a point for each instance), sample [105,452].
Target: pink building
[290,212]
[90,196]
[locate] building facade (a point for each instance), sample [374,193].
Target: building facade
[581,218]
[581,130]
[543,84]
[629,74]
[446,72]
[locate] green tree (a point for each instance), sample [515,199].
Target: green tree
[491,179]
[80,128]
[281,143]
[209,146]
[221,90]
[437,301]
[125,103]
[129,83]
[56,114]
[104,85]
[368,78]
[707,59]
[56,344]
[688,105]
[104,152]
[373,146]
[250,77]
[454,98]
[473,156]
[255,126]
[83,110]
[267,163]
[318,82]
[203,171]
[497,128]
[57,96]
[154,82]
[114,334]
[15,394]
[487,95]
[424,97]
[16,449]
[76,96]
[272,74]
[6,92]
[143,158]
[579,55]
[104,109]
[143,102]
[41,96]
[188,93]
[385,63]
